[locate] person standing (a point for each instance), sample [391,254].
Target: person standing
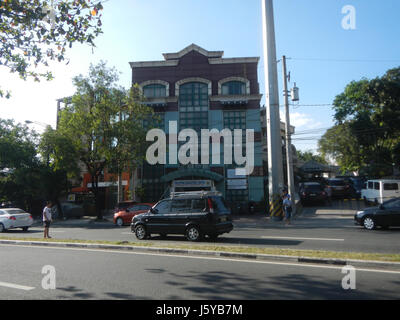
[287,208]
[47,219]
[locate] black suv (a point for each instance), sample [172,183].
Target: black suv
[192,214]
[312,191]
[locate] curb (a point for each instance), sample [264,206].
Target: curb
[380,265]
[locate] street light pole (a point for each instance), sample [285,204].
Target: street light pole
[275,166]
[288,139]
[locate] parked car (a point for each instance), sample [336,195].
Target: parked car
[193,214]
[340,189]
[385,215]
[377,191]
[312,192]
[69,209]
[125,216]
[14,218]
[123,205]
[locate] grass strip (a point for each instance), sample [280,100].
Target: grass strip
[385,257]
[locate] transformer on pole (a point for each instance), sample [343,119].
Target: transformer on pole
[275,166]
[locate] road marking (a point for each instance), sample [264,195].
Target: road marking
[297,238]
[15,286]
[294,264]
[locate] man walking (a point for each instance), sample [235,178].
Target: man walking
[47,219]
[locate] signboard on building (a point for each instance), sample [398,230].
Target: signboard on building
[236,184]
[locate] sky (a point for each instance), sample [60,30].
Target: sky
[323,57]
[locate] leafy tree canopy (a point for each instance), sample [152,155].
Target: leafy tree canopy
[34,32]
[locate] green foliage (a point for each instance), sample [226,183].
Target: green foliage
[310,156]
[367,131]
[33,33]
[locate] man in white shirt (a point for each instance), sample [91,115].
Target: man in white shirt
[47,219]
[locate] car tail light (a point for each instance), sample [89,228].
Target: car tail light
[12,218]
[210,205]
[30,217]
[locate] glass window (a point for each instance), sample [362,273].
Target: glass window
[163,207]
[199,204]
[154,91]
[377,186]
[193,106]
[233,88]
[370,185]
[181,206]
[393,204]
[390,186]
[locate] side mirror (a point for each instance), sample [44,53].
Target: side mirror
[154,211]
[127,210]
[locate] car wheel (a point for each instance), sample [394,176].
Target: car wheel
[369,223]
[193,233]
[2,229]
[120,222]
[141,232]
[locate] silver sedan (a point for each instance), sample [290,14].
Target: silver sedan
[14,218]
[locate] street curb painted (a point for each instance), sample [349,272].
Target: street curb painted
[379,265]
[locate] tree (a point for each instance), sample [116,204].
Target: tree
[104,124]
[35,32]
[310,156]
[367,130]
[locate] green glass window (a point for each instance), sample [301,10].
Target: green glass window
[154,91]
[234,88]
[193,106]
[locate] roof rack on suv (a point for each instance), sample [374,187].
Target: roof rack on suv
[189,194]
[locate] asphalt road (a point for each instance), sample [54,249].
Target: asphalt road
[318,228]
[96,274]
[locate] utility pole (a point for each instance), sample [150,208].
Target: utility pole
[288,139]
[275,166]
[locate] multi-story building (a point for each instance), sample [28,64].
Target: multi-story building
[200,89]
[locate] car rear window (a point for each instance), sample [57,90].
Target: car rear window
[390,186]
[336,182]
[313,187]
[15,211]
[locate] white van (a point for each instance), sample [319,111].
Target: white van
[378,191]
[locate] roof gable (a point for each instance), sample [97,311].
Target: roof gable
[193,47]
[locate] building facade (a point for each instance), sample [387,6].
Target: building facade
[199,89]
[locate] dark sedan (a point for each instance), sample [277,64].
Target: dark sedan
[386,215]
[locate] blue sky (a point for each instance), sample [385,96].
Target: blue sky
[324,56]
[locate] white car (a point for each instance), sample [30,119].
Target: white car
[14,218]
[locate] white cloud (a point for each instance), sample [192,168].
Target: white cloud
[302,120]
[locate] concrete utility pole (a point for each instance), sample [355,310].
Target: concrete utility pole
[288,139]
[275,166]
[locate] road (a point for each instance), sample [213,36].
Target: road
[319,228]
[97,274]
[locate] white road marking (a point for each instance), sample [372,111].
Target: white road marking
[298,238]
[15,286]
[305,265]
